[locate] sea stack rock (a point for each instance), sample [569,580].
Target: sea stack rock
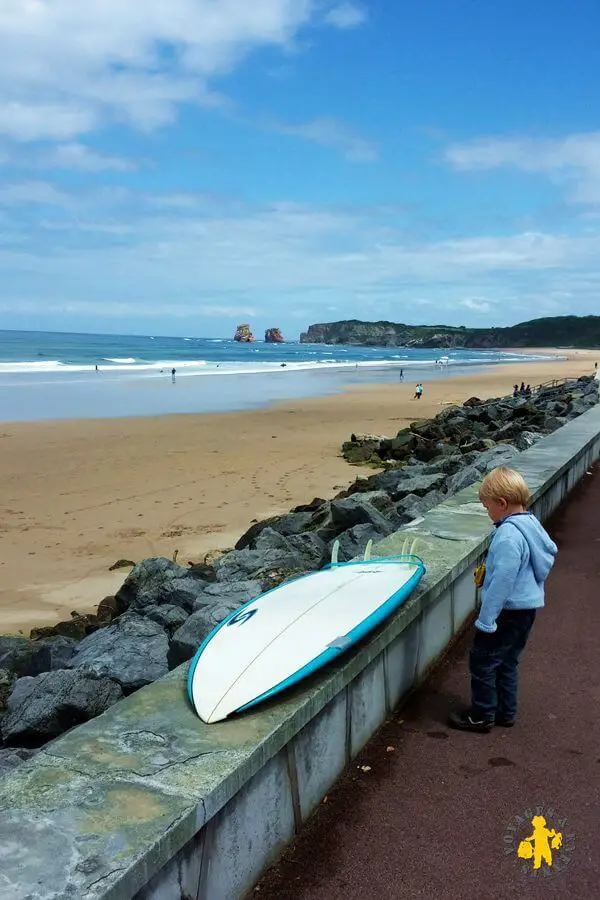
[243,335]
[273,336]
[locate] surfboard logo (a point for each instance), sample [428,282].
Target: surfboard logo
[242,617]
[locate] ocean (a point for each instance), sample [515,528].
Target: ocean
[51,375]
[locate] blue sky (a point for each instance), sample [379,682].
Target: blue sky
[179,166]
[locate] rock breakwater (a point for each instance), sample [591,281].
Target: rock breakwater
[67,674]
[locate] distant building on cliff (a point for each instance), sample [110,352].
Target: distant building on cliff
[274,336]
[243,334]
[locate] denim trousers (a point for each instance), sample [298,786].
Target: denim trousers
[494,663]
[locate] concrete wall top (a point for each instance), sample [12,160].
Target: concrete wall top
[100,810]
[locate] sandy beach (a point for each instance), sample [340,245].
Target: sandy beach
[79,495]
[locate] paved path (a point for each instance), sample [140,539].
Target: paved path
[429,818]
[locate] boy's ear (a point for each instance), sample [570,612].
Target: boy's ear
[503,502]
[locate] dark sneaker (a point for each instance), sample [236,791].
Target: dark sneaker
[504,722]
[467,722]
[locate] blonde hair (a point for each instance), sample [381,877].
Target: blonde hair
[505,484]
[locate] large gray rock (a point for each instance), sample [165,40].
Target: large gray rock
[307,547]
[132,651]
[170,618]
[11,757]
[448,465]
[240,565]
[360,510]
[353,542]
[419,485]
[233,594]
[146,576]
[43,707]
[188,638]
[26,657]
[413,507]
[553,423]
[185,591]
[7,682]
[291,523]
[527,439]
[500,455]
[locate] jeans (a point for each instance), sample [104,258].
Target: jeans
[494,661]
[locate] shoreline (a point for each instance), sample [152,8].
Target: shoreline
[82,493]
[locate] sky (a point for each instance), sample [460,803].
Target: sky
[181,166]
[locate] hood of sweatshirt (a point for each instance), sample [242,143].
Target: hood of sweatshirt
[542,548]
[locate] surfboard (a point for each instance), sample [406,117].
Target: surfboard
[288,633]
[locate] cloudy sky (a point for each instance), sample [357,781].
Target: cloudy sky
[178,166]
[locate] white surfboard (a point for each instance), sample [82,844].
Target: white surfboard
[288,633]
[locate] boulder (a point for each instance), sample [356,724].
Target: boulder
[448,465]
[188,638]
[77,627]
[170,618]
[472,401]
[108,609]
[202,570]
[132,652]
[359,510]
[419,485]
[353,542]
[11,757]
[292,523]
[43,707]
[500,455]
[23,656]
[7,682]
[413,507]
[147,575]
[526,439]
[233,594]
[553,423]
[185,592]
[242,565]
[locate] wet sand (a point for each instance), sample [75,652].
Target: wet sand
[79,495]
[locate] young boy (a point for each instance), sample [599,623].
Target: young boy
[519,560]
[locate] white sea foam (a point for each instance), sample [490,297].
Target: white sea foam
[201,367]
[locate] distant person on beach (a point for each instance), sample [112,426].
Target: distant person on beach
[401,374]
[522,388]
[515,390]
[418,391]
[173,375]
[528,391]
[97,369]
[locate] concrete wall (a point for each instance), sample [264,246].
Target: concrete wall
[148,802]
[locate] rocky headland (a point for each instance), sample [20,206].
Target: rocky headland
[556,331]
[63,675]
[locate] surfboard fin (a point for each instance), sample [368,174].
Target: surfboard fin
[408,548]
[368,549]
[334,553]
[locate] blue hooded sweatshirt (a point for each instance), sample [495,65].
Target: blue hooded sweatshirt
[520,557]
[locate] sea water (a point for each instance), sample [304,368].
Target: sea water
[48,375]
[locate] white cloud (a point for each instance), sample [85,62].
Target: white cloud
[346,15]
[573,160]
[34,193]
[476,305]
[69,66]
[78,156]
[329,132]
[218,258]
